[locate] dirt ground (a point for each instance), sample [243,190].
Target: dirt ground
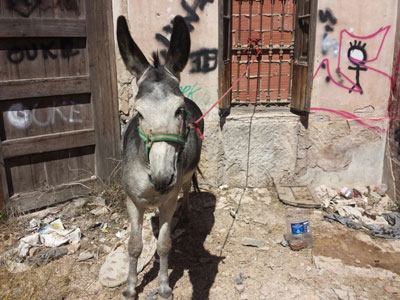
[208,260]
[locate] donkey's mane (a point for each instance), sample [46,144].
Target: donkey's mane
[156,60]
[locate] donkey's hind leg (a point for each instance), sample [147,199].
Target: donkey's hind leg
[135,246]
[185,201]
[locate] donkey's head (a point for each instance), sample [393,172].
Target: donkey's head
[159,103]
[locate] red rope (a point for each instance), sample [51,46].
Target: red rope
[251,43]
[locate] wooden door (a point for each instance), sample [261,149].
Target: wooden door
[59,124]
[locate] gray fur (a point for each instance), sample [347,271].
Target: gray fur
[157,179]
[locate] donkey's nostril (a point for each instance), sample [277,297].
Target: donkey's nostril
[151,179]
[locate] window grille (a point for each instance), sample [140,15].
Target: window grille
[269,79]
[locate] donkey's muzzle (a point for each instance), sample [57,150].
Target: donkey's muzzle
[163,184]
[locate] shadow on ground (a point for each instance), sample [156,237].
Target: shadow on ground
[188,252]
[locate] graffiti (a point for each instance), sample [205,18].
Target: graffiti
[18,54]
[197,93]
[328,42]
[23,7]
[357,55]
[325,16]
[21,117]
[354,54]
[203,60]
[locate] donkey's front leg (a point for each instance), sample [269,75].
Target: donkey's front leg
[164,246]
[135,245]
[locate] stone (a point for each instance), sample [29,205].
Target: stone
[114,216]
[244,297]
[106,249]
[392,290]
[246,241]
[223,187]
[78,203]
[342,295]
[114,271]
[101,210]
[85,255]
[239,288]
[99,200]
[33,251]
[72,248]
[15,267]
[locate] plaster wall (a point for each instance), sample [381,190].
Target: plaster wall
[151,26]
[345,139]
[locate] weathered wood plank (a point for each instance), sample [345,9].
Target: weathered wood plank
[22,27]
[43,87]
[2,198]
[105,95]
[20,203]
[48,142]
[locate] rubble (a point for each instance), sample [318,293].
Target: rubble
[362,207]
[85,255]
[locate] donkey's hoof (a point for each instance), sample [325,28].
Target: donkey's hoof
[165,293]
[129,293]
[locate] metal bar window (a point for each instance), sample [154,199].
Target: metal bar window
[269,79]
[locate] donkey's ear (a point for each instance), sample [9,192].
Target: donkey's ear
[179,48]
[133,58]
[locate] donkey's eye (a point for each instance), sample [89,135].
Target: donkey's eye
[139,115]
[179,112]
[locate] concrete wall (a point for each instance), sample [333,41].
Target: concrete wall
[272,145]
[347,129]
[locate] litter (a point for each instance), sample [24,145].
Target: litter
[121,234]
[103,227]
[390,231]
[52,235]
[34,224]
[368,208]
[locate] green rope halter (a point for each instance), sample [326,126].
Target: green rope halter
[149,139]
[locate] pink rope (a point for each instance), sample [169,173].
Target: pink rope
[196,123]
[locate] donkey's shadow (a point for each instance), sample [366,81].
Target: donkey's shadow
[188,252]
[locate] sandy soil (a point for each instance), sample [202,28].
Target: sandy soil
[208,260]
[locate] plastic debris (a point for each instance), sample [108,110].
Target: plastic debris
[365,207]
[27,242]
[34,224]
[346,192]
[103,227]
[47,256]
[121,234]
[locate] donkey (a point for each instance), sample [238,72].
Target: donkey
[160,151]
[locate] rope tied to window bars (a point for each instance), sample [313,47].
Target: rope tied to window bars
[252,43]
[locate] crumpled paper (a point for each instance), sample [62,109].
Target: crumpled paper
[52,235]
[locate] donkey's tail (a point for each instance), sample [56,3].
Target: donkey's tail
[194,180]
